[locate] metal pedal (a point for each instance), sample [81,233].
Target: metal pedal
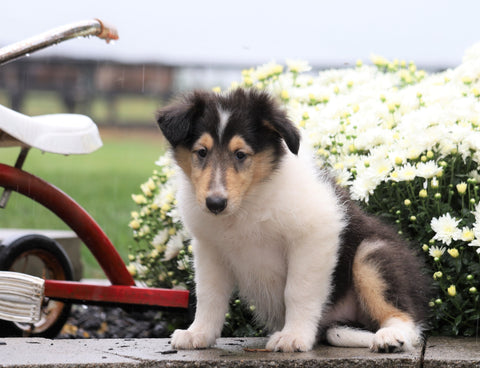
[21,297]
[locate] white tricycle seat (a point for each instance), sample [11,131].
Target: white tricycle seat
[67,134]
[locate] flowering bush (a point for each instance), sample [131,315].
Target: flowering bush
[406,144]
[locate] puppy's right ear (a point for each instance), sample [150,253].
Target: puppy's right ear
[176,120]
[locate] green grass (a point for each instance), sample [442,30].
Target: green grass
[101,182]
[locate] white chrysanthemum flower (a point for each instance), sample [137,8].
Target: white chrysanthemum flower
[475,243]
[165,160]
[343,177]
[407,172]
[476,229]
[174,245]
[476,213]
[467,234]
[298,66]
[160,238]
[445,228]
[428,169]
[436,252]
[364,185]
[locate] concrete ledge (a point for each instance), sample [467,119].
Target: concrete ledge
[34,352]
[452,352]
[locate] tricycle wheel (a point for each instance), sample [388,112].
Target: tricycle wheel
[39,256]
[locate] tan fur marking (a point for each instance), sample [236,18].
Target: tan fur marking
[238,143]
[269,125]
[254,169]
[205,141]
[201,181]
[184,159]
[262,166]
[237,184]
[201,176]
[370,287]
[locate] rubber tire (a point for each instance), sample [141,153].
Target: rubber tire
[13,250]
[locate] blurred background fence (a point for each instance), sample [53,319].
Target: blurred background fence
[112,93]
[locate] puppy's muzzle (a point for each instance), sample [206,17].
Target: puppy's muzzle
[216,204]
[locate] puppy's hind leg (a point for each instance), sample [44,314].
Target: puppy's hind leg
[349,337]
[398,330]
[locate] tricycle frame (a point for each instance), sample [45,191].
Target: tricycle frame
[123,289]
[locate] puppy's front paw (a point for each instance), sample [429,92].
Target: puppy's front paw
[290,342]
[186,339]
[390,340]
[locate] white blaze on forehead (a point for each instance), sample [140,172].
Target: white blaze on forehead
[224,116]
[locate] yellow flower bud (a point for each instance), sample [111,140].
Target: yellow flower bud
[423,193]
[453,252]
[166,207]
[467,80]
[134,224]
[467,234]
[132,270]
[452,290]
[248,81]
[462,188]
[139,198]
[151,184]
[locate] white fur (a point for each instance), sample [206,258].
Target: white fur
[344,336]
[396,335]
[224,116]
[279,248]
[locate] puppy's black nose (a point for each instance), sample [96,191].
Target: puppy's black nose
[216,204]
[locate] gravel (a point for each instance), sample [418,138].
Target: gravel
[111,322]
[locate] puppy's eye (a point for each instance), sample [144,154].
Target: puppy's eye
[202,152]
[240,156]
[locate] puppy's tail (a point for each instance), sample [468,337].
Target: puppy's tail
[349,337]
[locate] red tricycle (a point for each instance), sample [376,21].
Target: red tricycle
[39,305]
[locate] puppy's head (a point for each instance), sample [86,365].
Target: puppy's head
[225,144]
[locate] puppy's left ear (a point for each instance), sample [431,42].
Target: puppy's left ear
[275,119]
[285,129]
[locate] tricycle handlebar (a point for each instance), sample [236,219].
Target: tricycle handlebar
[94,27]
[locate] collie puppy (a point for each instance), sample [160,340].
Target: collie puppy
[265,221]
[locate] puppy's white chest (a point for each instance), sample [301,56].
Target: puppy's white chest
[259,266]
